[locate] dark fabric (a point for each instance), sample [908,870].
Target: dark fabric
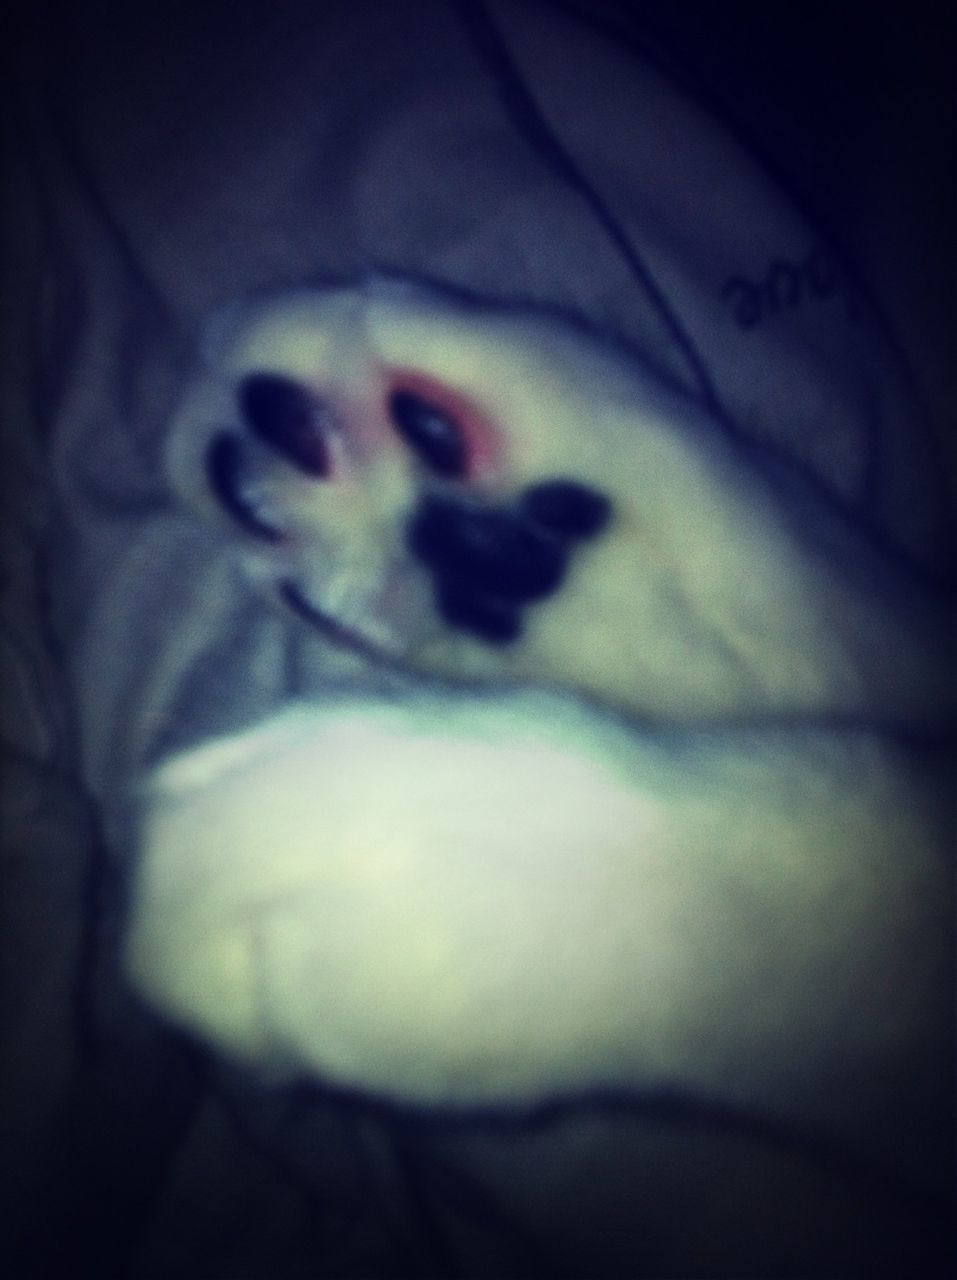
[164,159]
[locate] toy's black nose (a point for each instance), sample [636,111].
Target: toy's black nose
[492,551]
[288,418]
[566,508]
[488,563]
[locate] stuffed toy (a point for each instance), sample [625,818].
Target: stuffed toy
[621,820]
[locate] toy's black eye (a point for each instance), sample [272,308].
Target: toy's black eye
[226,476]
[287,418]
[433,435]
[566,508]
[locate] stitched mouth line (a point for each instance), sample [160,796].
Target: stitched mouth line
[346,638]
[336,632]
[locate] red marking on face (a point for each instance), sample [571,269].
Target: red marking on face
[484,443]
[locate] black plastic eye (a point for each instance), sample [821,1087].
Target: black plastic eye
[432,434]
[224,475]
[566,508]
[287,418]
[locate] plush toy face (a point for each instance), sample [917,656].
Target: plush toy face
[461,898]
[492,495]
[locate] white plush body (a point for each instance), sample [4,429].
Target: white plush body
[637,846]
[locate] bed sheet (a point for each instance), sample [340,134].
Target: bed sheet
[164,160]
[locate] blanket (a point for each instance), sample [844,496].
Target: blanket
[165,161]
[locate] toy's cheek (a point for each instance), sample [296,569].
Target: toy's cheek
[450,434]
